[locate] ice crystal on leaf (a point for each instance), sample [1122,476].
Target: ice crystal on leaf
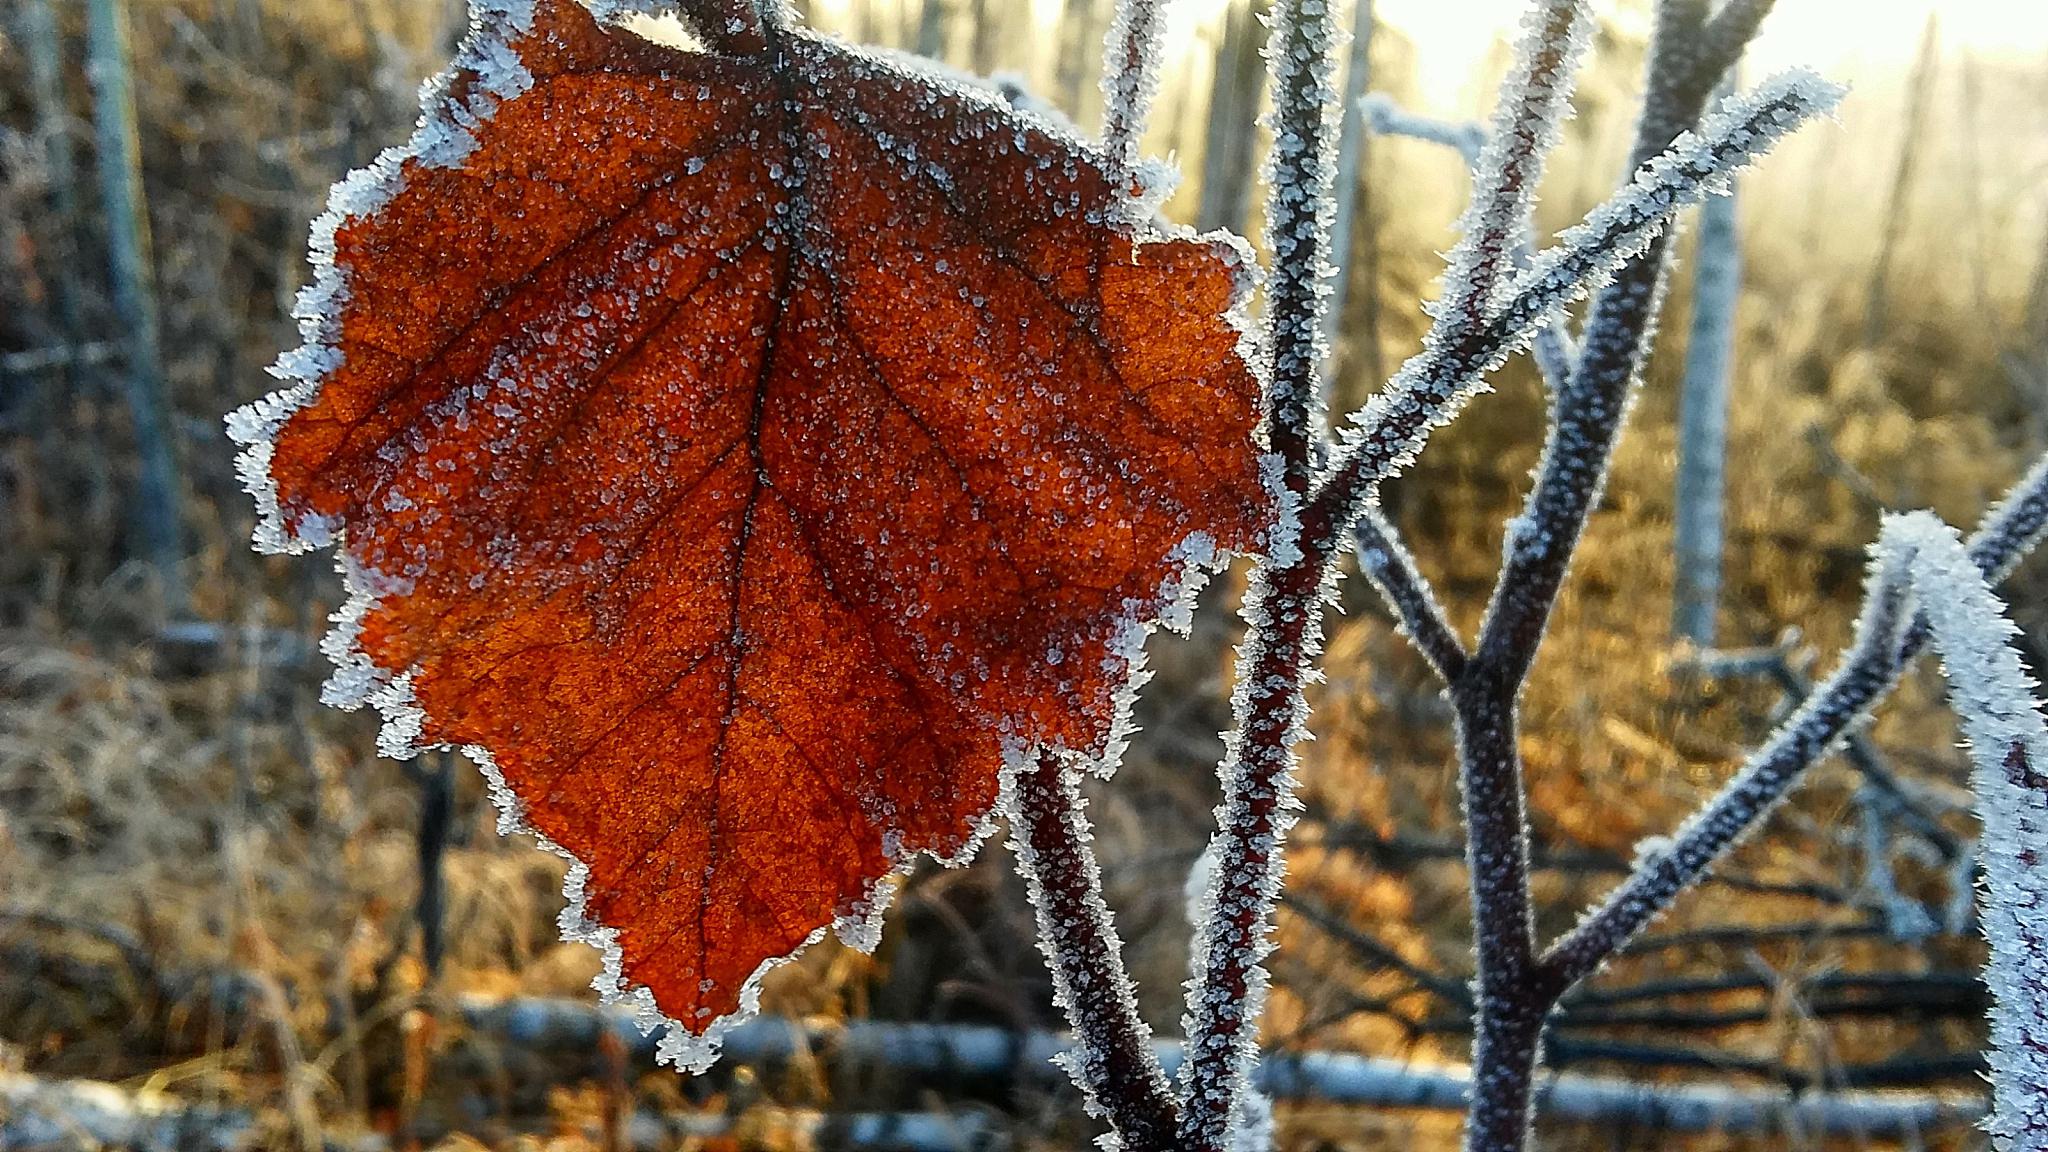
[741,453]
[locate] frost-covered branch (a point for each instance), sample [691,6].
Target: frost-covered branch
[1283,608]
[1432,384]
[1997,702]
[1301,55]
[1385,116]
[1693,166]
[1552,346]
[1516,992]
[1388,565]
[1130,77]
[1776,664]
[1284,604]
[1626,236]
[907,1049]
[1112,1059]
[2011,530]
[1588,413]
[1435,382]
[1534,101]
[1885,642]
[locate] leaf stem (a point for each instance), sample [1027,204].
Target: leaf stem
[1112,1059]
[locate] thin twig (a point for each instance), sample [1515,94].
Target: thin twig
[1130,78]
[1867,671]
[1388,565]
[1113,1061]
[1228,984]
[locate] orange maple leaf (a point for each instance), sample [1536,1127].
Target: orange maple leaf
[747,460]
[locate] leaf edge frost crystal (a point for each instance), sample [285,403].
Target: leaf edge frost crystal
[1195,511]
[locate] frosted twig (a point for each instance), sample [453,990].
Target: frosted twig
[1283,608]
[1884,644]
[1996,701]
[1776,664]
[1301,62]
[1130,78]
[1112,1060]
[1534,101]
[2012,529]
[1227,985]
[1692,166]
[1435,382]
[1385,116]
[1552,346]
[1388,565]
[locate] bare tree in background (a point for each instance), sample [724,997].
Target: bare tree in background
[158,533]
[1234,95]
[1345,220]
[1079,34]
[1898,200]
[42,46]
[1703,423]
[933,22]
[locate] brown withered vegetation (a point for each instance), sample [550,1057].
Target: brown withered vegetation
[212,888]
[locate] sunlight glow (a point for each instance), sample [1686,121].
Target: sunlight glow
[1841,38]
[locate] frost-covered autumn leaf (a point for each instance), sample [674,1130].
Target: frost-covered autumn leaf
[746,458]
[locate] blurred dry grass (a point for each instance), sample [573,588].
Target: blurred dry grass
[171,810]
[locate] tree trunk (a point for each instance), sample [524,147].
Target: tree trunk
[982,54]
[1233,109]
[1080,45]
[1919,91]
[157,530]
[932,21]
[1703,424]
[1351,145]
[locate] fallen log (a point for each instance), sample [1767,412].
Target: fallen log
[952,1050]
[564,1034]
[61,1115]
